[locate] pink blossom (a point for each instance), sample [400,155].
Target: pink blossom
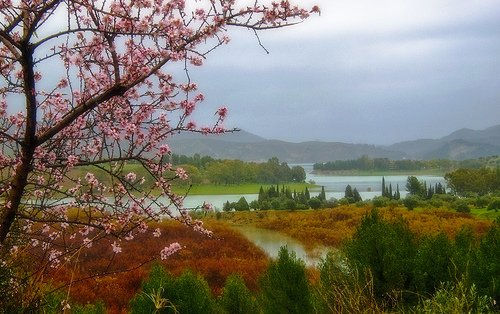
[164,149]
[181,173]
[222,112]
[207,207]
[116,248]
[169,250]
[131,177]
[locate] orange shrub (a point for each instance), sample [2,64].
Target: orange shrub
[331,227]
[215,258]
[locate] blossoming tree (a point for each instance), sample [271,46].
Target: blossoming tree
[84,92]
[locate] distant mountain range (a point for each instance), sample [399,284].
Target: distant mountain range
[459,145]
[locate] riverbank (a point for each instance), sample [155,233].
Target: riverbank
[247,188]
[428,172]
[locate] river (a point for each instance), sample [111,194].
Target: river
[271,241]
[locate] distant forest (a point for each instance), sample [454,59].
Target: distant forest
[384,164]
[204,169]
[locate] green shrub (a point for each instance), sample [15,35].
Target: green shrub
[380,201]
[265,205]
[344,201]
[275,204]
[254,204]
[289,204]
[461,206]
[482,201]
[284,286]
[162,293]
[463,252]
[315,203]
[456,298]
[411,201]
[152,297]
[192,294]
[387,250]
[236,298]
[485,265]
[344,290]
[433,263]
[241,205]
[494,205]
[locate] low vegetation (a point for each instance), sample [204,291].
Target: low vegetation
[115,278]
[383,267]
[332,227]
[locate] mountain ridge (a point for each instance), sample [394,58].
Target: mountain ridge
[461,144]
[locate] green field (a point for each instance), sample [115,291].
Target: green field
[248,188]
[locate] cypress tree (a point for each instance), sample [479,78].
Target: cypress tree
[322,195]
[398,195]
[390,191]
[383,186]
[262,195]
[308,196]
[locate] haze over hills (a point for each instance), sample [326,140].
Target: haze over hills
[459,145]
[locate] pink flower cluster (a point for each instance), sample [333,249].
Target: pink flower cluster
[169,250]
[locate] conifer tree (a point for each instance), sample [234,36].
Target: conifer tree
[397,196]
[262,195]
[383,187]
[307,195]
[356,196]
[348,192]
[390,191]
[322,195]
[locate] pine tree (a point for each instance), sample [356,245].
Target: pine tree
[356,196]
[348,192]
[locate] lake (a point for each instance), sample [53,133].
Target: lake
[367,186]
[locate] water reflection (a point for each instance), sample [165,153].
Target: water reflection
[271,241]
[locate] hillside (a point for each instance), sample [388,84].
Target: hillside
[459,145]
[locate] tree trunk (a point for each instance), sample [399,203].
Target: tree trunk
[20,179]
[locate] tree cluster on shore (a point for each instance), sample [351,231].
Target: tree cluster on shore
[216,171]
[276,197]
[366,163]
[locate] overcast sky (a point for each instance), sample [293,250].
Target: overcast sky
[364,72]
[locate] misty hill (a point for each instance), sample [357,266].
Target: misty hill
[239,137]
[459,145]
[254,148]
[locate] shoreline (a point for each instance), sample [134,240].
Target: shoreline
[367,173]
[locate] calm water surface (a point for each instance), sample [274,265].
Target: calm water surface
[271,242]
